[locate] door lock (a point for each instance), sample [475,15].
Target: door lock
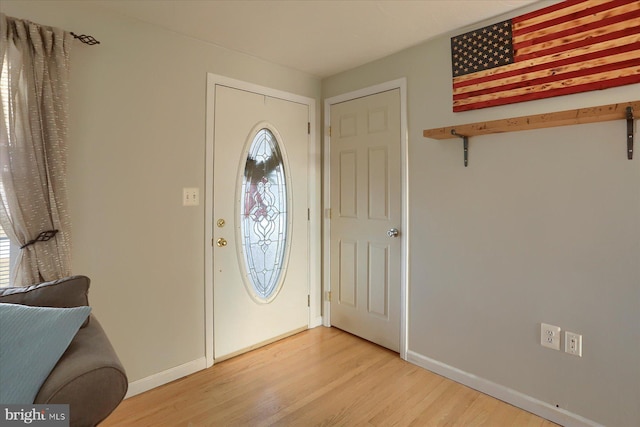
[221,242]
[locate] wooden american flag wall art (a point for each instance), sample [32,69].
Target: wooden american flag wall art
[569,47]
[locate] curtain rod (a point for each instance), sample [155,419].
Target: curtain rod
[90,40]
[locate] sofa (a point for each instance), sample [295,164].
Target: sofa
[88,377]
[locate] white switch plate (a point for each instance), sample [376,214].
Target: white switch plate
[190,196]
[573,343]
[550,336]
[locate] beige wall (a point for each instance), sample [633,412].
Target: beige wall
[137,137]
[541,227]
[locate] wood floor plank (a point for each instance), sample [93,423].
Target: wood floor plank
[320,377]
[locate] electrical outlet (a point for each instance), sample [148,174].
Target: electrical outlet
[190,196]
[573,343]
[550,336]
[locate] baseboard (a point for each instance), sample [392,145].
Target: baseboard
[515,398]
[315,322]
[164,377]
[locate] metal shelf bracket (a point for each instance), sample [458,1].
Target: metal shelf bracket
[465,146]
[629,133]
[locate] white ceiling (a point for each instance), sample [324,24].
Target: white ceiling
[320,37]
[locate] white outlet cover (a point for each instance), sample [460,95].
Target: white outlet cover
[573,343]
[550,336]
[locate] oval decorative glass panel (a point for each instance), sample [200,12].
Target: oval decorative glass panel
[264,221]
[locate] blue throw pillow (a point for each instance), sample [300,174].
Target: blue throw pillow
[32,339]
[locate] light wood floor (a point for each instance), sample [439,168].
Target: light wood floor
[320,377]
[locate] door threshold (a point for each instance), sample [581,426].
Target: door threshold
[260,344]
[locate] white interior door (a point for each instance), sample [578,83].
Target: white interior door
[366,217]
[251,206]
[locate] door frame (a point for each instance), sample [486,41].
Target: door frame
[400,84]
[314,200]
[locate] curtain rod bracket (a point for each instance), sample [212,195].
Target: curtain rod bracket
[465,146]
[629,133]
[90,40]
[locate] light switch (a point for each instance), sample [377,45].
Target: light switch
[190,196]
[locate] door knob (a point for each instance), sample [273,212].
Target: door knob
[221,242]
[393,232]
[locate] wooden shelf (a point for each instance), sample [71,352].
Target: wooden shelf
[602,113]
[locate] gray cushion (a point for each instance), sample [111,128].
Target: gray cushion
[63,293]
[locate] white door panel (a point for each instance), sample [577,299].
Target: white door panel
[241,322]
[366,194]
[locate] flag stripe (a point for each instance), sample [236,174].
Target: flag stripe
[578,15]
[548,92]
[541,41]
[570,47]
[583,70]
[568,5]
[624,44]
[588,38]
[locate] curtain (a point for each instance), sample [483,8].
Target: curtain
[34,61]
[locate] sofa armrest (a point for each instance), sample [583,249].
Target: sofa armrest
[70,291]
[89,377]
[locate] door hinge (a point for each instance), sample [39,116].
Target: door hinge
[328,296]
[308,300]
[309,128]
[329,130]
[308,214]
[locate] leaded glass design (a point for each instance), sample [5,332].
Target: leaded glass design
[263,215]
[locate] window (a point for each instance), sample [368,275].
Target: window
[7,250]
[5,259]
[264,219]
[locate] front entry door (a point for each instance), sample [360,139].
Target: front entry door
[260,227]
[366,215]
